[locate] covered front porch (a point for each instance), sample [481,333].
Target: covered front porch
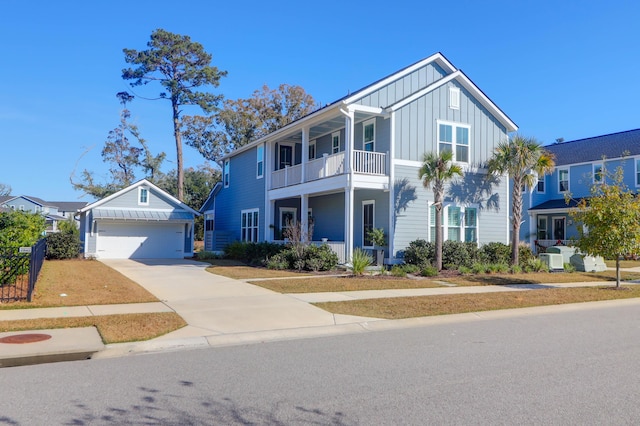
[550,224]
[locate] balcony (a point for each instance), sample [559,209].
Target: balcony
[364,162]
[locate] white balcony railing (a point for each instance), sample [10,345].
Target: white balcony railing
[371,163]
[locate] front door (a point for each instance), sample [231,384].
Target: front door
[285,156]
[558,228]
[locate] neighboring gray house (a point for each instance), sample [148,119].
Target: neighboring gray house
[139,222]
[353,165]
[53,211]
[578,167]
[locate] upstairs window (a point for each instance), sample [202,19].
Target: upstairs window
[143,196]
[597,173]
[563,180]
[454,98]
[540,185]
[455,138]
[260,161]
[335,143]
[369,132]
[226,173]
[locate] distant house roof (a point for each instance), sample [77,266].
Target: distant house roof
[68,206]
[558,203]
[614,145]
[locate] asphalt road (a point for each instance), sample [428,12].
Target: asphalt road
[576,367]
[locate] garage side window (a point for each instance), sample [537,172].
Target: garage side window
[208,222]
[249,225]
[143,196]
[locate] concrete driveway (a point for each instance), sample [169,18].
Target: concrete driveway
[214,305]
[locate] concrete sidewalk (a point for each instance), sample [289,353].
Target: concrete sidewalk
[222,311]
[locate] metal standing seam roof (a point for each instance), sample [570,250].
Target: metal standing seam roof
[142,215]
[559,203]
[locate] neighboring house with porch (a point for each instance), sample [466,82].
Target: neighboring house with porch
[578,167]
[353,165]
[53,211]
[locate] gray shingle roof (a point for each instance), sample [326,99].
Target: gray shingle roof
[614,145]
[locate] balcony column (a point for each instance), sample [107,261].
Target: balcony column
[349,132]
[305,153]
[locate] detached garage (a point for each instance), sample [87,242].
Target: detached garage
[139,222]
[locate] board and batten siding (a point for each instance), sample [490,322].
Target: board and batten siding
[129,200]
[416,129]
[412,218]
[245,191]
[403,87]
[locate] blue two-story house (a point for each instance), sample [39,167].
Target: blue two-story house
[353,165]
[578,166]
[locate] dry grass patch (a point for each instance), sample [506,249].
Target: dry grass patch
[324,284]
[241,271]
[409,307]
[85,282]
[623,263]
[538,278]
[112,328]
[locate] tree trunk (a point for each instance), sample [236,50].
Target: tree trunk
[439,195]
[617,271]
[178,137]
[516,212]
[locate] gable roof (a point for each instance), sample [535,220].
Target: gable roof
[438,58]
[34,200]
[134,186]
[613,145]
[216,188]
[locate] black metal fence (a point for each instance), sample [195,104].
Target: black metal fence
[19,270]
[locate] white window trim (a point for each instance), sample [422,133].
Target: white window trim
[140,189]
[293,154]
[553,226]
[252,227]
[454,98]
[371,121]
[544,184]
[226,173]
[568,180]
[546,227]
[21,208]
[293,210]
[593,173]
[335,149]
[445,223]
[637,170]
[373,221]
[312,145]
[259,160]
[454,125]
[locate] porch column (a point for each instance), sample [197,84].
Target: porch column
[269,208]
[305,153]
[533,230]
[304,217]
[349,132]
[348,222]
[267,167]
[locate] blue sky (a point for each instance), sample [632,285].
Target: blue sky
[558,69]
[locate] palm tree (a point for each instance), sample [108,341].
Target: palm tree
[523,159]
[436,170]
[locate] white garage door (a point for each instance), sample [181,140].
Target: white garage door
[140,240]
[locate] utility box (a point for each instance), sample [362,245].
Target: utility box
[565,251]
[554,261]
[588,263]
